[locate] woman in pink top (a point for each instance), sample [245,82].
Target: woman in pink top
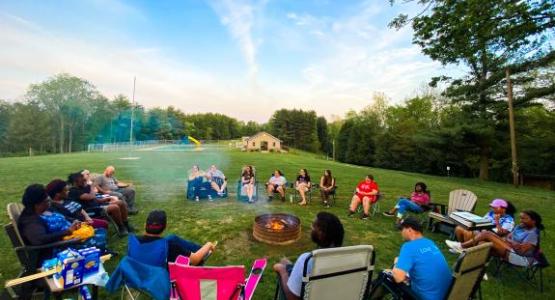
[420,197]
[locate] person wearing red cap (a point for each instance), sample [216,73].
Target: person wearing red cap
[500,215]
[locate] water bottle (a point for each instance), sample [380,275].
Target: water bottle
[290,198]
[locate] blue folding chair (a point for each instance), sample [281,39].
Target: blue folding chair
[143,270]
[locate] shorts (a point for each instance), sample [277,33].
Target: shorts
[373,198]
[519,260]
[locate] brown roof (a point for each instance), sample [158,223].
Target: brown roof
[260,133]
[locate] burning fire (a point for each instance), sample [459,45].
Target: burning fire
[275,224]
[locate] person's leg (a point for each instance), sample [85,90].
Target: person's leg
[355,202]
[366,205]
[462,234]
[281,192]
[302,191]
[270,189]
[224,185]
[99,223]
[401,206]
[193,247]
[500,246]
[122,209]
[215,186]
[114,212]
[323,195]
[129,195]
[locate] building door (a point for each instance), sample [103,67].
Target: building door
[264,146]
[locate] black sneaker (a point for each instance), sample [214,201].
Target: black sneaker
[364,217]
[122,231]
[270,198]
[351,213]
[388,214]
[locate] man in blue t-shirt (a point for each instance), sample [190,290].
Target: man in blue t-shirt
[420,270]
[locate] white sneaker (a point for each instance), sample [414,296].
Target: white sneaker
[196,199]
[455,251]
[454,245]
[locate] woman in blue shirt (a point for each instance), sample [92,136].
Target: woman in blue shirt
[518,247]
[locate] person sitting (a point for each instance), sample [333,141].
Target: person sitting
[327,232]
[195,182]
[276,183]
[418,199]
[248,182]
[367,194]
[217,179]
[518,247]
[303,185]
[154,227]
[420,269]
[86,196]
[87,174]
[500,215]
[58,192]
[108,184]
[327,187]
[33,228]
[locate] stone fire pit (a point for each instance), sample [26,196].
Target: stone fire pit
[276,229]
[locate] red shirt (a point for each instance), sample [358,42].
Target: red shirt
[365,187]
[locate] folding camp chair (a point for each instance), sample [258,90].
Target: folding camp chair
[374,208]
[459,200]
[467,275]
[337,273]
[297,195]
[29,256]
[142,260]
[534,267]
[218,283]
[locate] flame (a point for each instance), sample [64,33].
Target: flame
[275,224]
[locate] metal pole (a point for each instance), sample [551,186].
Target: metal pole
[333,149]
[514,168]
[132,113]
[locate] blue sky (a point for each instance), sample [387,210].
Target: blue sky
[244,58]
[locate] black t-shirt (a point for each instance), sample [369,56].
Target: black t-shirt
[174,250]
[75,195]
[302,178]
[69,209]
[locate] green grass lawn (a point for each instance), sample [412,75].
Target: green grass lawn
[159,178]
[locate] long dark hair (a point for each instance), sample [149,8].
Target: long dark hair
[536,217]
[328,179]
[423,186]
[511,209]
[331,228]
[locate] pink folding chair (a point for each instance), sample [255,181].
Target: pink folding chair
[217,283]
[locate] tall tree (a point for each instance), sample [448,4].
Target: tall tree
[323,135]
[489,37]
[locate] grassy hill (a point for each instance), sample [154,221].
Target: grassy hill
[159,178]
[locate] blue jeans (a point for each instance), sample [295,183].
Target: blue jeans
[193,187]
[404,205]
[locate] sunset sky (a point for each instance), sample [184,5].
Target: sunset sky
[241,58]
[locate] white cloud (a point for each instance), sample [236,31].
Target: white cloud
[30,54]
[239,17]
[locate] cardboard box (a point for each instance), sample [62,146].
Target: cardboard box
[71,265]
[91,260]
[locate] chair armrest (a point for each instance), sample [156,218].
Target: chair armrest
[441,206]
[48,246]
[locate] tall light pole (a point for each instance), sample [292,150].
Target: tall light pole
[132,112]
[514,164]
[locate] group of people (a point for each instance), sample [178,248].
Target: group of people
[209,184]
[421,270]
[62,209]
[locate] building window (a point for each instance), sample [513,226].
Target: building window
[253,144]
[274,144]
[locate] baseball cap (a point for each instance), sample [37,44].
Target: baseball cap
[156,221]
[499,203]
